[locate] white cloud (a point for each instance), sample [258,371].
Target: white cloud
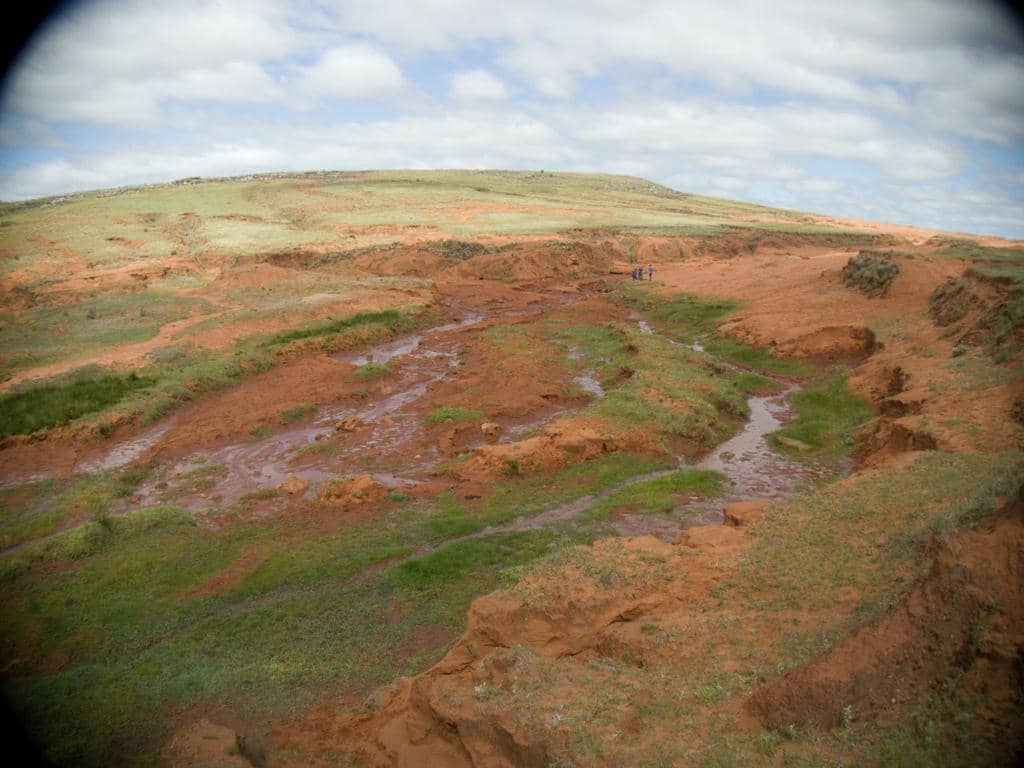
[116,62]
[814,185]
[356,71]
[875,53]
[477,85]
[736,132]
[242,80]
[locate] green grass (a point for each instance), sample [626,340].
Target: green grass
[49,334]
[973,251]
[196,480]
[669,389]
[685,316]
[297,413]
[389,318]
[448,414]
[53,405]
[825,416]
[167,383]
[660,495]
[691,318]
[753,383]
[521,497]
[37,509]
[436,571]
[758,359]
[1011,274]
[373,371]
[870,533]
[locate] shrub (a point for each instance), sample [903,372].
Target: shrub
[291,415]
[373,370]
[871,272]
[950,301]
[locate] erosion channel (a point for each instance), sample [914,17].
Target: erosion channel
[390,424]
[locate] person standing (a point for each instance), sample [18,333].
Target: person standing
[650,271]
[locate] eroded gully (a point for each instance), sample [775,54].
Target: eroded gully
[754,469]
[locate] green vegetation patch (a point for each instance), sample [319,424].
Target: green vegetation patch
[660,495]
[651,383]
[52,405]
[972,250]
[373,371]
[684,315]
[522,497]
[872,272]
[297,413]
[390,318]
[316,613]
[447,414]
[37,509]
[48,334]
[436,570]
[693,318]
[825,416]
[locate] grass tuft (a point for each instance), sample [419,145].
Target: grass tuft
[448,414]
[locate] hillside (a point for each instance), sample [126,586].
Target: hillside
[404,468]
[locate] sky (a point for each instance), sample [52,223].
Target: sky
[907,112]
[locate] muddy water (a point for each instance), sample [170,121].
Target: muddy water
[384,353]
[377,431]
[590,384]
[266,462]
[754,470]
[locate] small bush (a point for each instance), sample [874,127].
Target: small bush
[871,272]
[950,301]
[373,371]
[291,415]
